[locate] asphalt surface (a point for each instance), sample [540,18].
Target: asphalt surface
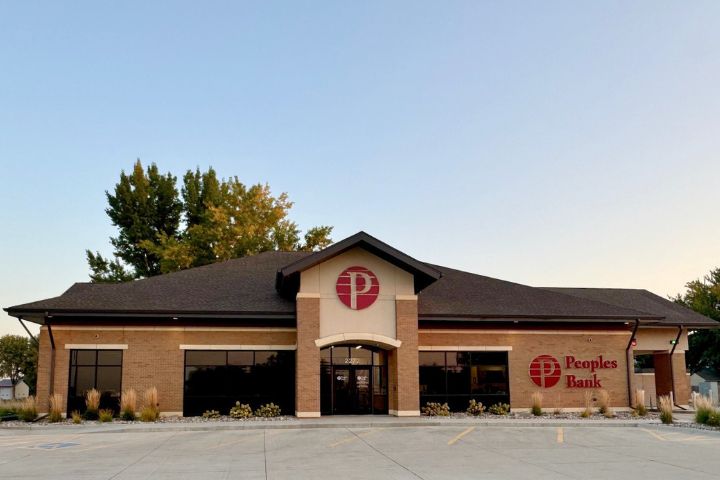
[445,452]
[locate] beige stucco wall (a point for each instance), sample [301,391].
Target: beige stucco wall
[335,317]
[658,339]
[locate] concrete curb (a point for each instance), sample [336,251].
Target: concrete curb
[296,425]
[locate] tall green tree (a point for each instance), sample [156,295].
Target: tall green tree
[213,220]
[18,360]
[703,296]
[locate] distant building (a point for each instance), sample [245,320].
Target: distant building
[707,382]
[6,390]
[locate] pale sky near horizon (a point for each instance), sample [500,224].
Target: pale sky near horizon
[547,143]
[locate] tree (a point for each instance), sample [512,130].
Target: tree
[221,219]
[18,360]
[704,298]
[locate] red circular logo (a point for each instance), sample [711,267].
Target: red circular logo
[545,371]
[357,287]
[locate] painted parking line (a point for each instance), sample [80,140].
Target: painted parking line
[560,435]
[460,435]
[355,436]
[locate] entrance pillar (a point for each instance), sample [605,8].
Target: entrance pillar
[307,359]
[404,388]
[670,376]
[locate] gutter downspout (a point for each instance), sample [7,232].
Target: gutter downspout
[630,363]
[672,373]
[52,357]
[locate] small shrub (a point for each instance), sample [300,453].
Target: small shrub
[714,419]
[499,409]
[211,414]
[105,415]
[588,396]
[434,409]
[639,408]
[703,409]
[28,410]
[76,417]
[56,408]
[92,404]
[148,414]
[475,408]
[241,410]
[666,409]
[603,401]
[536,408]
[268,410]
[128,404]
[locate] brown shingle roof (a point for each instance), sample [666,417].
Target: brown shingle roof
[246,286]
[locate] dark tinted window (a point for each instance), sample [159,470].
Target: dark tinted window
[99,369]
[205,357]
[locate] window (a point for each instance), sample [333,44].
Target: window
[99,369]
[216,379]
[458,377]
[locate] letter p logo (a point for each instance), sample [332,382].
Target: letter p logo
[357,287]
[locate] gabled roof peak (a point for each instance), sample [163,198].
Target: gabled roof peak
[288,278]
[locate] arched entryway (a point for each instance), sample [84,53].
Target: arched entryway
[353,380]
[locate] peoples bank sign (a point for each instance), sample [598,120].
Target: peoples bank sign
[545,371]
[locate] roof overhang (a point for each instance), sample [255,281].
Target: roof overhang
[287,281]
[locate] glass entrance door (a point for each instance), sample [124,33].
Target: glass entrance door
[353,381]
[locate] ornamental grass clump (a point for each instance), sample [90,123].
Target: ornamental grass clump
[268,410]
[536,399]
[211,414]
[639,408]
[92,404]
[28,410]
[604,404]
[128,404]
[241,410]
[475,408]
[499,409]
[666,409]
[714,419]
[588,396]
[105,415]
[56,408]
[76,417]
[151,405]
[703,409]
[435,409]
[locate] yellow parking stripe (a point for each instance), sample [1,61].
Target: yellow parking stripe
[460,435]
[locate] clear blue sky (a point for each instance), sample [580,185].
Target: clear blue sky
[549,143]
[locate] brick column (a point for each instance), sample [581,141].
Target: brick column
[307,359]
[404,394]
[42,386]
[680,378]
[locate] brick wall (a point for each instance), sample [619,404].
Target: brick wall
[153,356]
[307,362]
[403,362]
[559,343]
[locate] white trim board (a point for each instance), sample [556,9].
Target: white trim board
[96,346]
[238,347]
[467,348]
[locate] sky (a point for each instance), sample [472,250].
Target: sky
[548,143]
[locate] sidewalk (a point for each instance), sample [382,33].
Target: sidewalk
[364,421]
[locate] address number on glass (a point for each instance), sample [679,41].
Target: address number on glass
[352,361]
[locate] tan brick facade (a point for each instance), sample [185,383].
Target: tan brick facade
[403,396]
[307,361]
[153,356]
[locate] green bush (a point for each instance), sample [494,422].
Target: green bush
[91,414]
[703,409]
[499,409]
[105,415]
[149,413]
[714,419]
[268,410]
[434,409]
[28,410]
[211,414]
[475,408]
[241,410]
[127,415]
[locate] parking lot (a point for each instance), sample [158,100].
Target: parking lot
[451,452]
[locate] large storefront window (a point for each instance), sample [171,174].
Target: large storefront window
[216,379]
[99,369]
[457,377]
